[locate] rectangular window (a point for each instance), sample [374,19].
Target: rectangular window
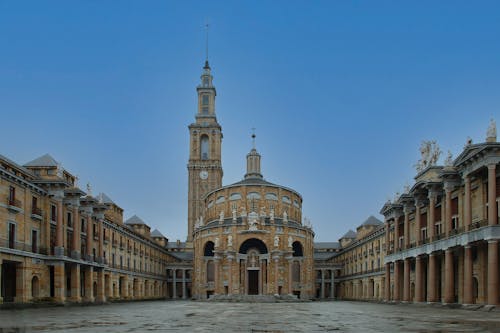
[69,220]
[53,214]
[34,241]
[12,195]
[82,222]
[12,235]
[204,110]
[205,99]
[34,206]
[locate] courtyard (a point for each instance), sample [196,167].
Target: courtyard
[192,316]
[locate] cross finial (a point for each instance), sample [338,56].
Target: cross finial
[253,137]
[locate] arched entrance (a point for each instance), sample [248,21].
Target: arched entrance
[254,266]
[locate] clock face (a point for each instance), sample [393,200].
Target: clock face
[204,174]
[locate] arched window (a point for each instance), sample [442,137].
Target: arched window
[297,249]
[35,287]
[204,147]
[208,251]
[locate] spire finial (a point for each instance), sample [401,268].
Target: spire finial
[253,137]
[206,43]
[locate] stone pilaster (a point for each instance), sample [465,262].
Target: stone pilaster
[406,280]
[432,280]
[492,195]
[449,279]
[468,288]
[75,283]
[493,272]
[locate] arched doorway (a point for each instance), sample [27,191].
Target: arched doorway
[35,287]
[253,266]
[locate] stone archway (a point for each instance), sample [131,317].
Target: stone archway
[253,265]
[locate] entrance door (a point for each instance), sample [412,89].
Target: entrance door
[253,282]
[9,281]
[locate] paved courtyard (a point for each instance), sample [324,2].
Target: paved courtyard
[186,316]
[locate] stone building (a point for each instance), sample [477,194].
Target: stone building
[60,244]
[443,232]
[248,237]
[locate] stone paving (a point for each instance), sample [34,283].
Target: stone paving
[190,316]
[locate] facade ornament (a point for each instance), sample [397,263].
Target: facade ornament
[449,159]
[216,243]
[430,152]
[243,212]
[285,217]
[221,217]
[234,214]
[276,241]
[407,188]
[290,241]
[230,241]
[262,211]
[396,197]
[271,215]
[253,221]
[101,199]
[89,190]
[491,133]
[468,142]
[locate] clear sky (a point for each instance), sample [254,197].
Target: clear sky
[341,93]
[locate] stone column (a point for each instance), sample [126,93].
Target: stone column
[397,296]
[59,248]
[332,283]
[229,275]
[447,218]
[76,234]
[449,280]
[322,283]
[21,290]
[396,234]
[75,283]
[406,280]
[290,265]
[89,284]
[492,195]
[418,234]
[100,252]
[432,278]
[467,203]
[493,272]
[100,297]
[174,283]
[90,236]
[387,237]
[387,282]
[431,219]
[184,290]
[468,296]
[407,227]
[419,280]
[59,282]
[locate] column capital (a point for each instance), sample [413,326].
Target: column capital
[492,166]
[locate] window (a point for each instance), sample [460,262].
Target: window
[50,172]
[34,241]
[205,82]
[204,147]
[12,235]
[34,206]
[204,110]
[69,220]
[83,225]
[205,99]
[286,200]
[271,196]
[210,271]
[12,195]
[235,196]
[53,213]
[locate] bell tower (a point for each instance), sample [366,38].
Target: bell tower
[204,166]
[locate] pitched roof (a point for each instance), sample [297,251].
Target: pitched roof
[350,234]
[134,220]
[43,161]
[105,199]
[372,220]
[157,233]
[183,256]
[324,255]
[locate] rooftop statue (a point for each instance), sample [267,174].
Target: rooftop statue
[449,159]
[492,130]
[430,152]
[89,190]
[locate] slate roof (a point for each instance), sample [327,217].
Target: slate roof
[327,245]
[15,164]
[324,255]
[350,234]
[134,220]
[105,199]
[42,161]
[157,233]
[185,256]
[173,245]
[372,220]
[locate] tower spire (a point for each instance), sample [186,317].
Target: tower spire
[253,137]
[206,45]
[253,161]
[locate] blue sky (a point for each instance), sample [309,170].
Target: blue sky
[341,93]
